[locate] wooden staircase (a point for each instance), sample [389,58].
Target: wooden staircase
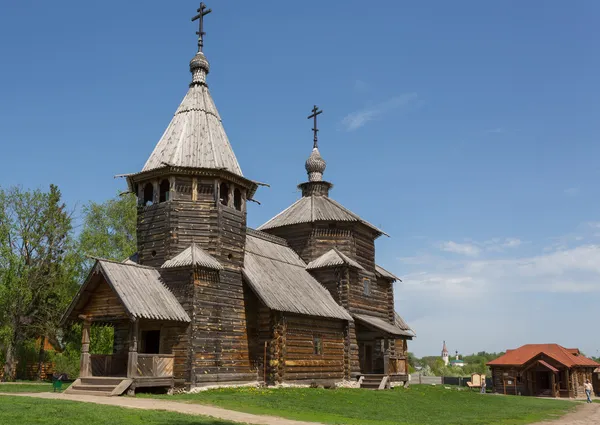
[99,386]
[375,382]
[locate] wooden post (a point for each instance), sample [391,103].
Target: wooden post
[386,357]
[85,365]
[265,364]
[568,383]
[194,188]
[132,360]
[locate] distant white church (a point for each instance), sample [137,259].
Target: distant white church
[455,362]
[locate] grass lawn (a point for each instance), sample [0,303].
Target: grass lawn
[28,387]
[34,411]
[417,405]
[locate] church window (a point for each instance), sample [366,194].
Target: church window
[163,191]
[237,199]
[366,286]
[317,345]
[148,194]
[224,193]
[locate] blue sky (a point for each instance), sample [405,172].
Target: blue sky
[467,130]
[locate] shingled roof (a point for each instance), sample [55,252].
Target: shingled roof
[381,272]
[139,288]
[332,258]
[193,256]
[195,137]
[383,325]
[403,325]
[278,276]
[525,353]
[310,209]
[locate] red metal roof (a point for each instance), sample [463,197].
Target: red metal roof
[552,368]
[521,355]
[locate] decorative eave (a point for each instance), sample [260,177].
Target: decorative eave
[250,185]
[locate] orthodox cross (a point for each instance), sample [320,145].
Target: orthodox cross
[315,112]
[202,11]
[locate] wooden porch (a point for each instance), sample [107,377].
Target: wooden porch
[148,322]
[107,374]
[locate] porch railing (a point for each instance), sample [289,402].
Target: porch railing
[155,365]
[108,364]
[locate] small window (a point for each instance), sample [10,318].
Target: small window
[317,345]
[237,199]
[163,192]
[224,194]
[366,286]
[148,194]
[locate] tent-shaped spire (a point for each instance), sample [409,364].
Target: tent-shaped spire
[195,137]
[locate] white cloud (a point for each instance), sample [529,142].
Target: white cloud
[358,119]
[486,303]
[460,248]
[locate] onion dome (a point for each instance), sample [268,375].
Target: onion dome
[315,166]
[199,67]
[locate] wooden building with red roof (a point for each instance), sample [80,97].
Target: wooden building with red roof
[542,370]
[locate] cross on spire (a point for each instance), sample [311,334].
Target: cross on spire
[315,111]
[202,11]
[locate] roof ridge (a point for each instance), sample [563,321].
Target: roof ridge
[356,216]
[131,264]
[262,226]
[266,236]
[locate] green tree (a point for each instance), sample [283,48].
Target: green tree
[109,228]
[38,267]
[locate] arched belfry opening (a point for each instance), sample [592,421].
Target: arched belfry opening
[237,199]
[148,194]
[163,190]
[224,193]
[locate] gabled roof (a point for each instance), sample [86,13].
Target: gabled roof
[193,256]
[524,354]
[278,277]
[381,272]
[383,325]
[309,209]
[139,288]
[332,258]
[195,137]
[403,325]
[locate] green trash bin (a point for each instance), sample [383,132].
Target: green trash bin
[57,385]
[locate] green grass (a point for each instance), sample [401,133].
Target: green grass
[35,411]
[417,405]
[29,387]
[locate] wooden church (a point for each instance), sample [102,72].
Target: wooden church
[208,301]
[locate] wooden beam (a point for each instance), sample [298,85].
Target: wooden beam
[132,360]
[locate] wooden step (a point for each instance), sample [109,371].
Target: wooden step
[94,387]
[101,386]
[101,380]
[82,392]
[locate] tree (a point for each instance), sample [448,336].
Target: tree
[38,267]
[109,228]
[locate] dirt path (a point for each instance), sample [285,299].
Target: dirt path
[586,414]
[171,406]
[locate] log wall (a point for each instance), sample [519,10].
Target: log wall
[104,303]
[301,363]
